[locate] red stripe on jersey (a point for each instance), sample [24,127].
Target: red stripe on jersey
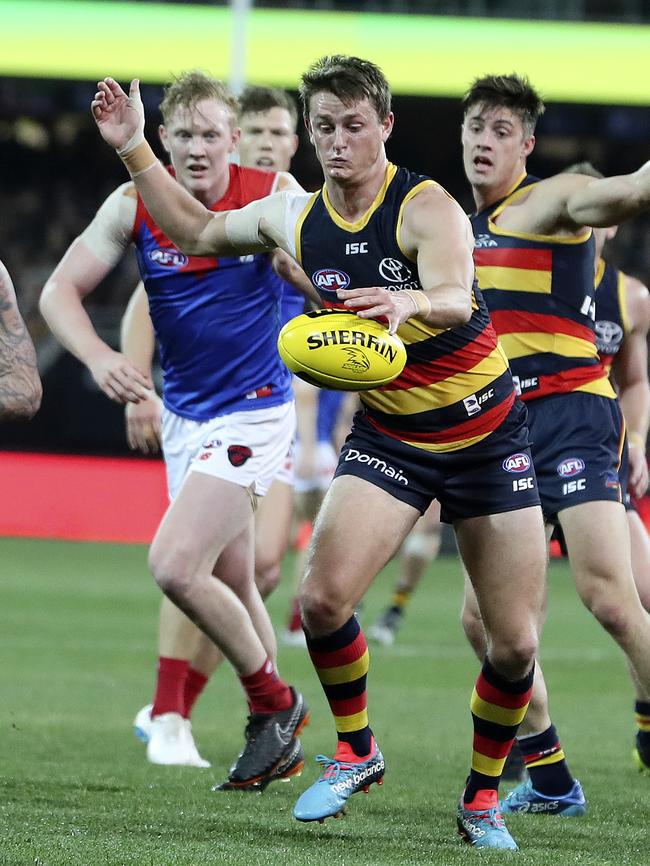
[524,259]
[491,748]
[345,656]
[566,381]
[498,697]
[514,321]
[439,369]
[349,706]
[486,422]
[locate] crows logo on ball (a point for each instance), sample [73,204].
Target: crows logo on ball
[239,454]
[357,360]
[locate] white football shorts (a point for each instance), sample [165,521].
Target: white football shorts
[247,448]
[324,465]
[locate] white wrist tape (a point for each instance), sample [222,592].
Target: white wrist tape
[243,226]
[421,302]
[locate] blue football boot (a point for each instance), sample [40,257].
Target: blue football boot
[525,799]
[340,779]
[483,827]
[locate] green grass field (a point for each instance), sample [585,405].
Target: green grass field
[77,659]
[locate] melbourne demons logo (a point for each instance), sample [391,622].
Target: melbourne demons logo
[330,279]
[517,463]
[168,258]
[571,466]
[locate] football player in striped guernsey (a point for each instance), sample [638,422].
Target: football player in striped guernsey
[535,262]
[391,243]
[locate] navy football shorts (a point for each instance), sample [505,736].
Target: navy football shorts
[579,449]
[491,477]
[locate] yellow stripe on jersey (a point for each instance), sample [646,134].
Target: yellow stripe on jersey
[299,223]
[514,279]
[601,387]
[493,713]
[621,287]
[438,395]
[448,446]
[344,673]
[522,343]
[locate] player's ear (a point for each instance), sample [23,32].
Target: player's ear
[296,142]
[528,146]
[387,126]
[234,139]
[164,139]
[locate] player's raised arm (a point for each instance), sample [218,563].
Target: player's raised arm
[20,384]
[610,200]
[190,225]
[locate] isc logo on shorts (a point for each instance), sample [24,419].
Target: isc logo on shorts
[571,466]
[517,463]
[330,278]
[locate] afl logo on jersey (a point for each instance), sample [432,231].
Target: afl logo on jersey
[394,271]
[570,466]
[330,279]
[517,463]
[168,257]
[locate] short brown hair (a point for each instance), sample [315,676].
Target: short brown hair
[255,100]
[195,86]
[350,79]
[510,91]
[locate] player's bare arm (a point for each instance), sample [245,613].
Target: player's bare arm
[20,384]
[437,235]
[137,338]
[77,275]
[192,227]
[630,370]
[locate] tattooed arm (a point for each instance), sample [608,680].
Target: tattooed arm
[20,384]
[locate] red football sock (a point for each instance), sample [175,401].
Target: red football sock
[194,685]
[170,686]
[265,691]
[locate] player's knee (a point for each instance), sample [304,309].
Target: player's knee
[514,656]
[611,614]
[321,612]
[171,571]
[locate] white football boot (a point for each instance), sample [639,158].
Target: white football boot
[142,724]
[171,742]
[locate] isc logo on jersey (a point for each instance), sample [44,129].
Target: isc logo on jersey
[168,258]
[330,279]
[571,466]
[517,463]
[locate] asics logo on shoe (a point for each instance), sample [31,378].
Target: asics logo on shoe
[357,778]
[551,806]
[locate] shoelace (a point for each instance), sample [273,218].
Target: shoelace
[491,816]
[331,768]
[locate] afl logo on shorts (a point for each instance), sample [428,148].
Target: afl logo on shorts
[330,279]
[239,454]
[168,258]
[570,467]
[517,463]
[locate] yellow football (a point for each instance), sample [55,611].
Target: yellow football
[336,349]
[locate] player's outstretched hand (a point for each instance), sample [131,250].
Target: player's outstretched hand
[118,378]
[120,118]
[378,303]
[144,424]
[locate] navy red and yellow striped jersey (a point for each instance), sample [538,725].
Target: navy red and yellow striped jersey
[540,294]
[611,324]
[456,387]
